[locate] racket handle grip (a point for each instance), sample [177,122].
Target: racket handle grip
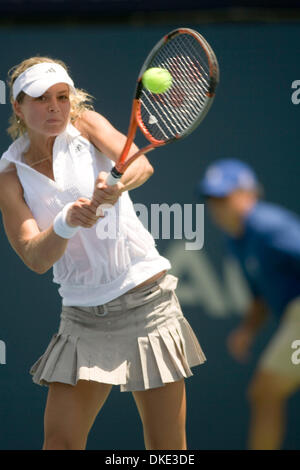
[113,177]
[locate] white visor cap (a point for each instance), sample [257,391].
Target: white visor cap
[35,80]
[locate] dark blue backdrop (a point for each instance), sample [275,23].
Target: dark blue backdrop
[253,118]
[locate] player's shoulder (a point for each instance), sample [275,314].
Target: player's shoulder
[268,218]
[8,176]
[11,187]
[88,121]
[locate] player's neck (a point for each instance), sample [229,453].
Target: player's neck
[40,148]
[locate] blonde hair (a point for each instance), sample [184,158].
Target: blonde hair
[79,102]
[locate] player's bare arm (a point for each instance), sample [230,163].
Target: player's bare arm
[110,142]
[39,250]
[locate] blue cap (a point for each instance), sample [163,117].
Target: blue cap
[225,176]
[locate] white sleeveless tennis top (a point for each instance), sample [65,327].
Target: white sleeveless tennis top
[95,268]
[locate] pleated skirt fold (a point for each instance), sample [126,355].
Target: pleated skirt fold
[139,341]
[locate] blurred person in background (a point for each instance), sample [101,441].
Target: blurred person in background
[265,239]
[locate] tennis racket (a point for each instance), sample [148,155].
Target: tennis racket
[170,116]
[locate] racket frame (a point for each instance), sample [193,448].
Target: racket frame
[136,119]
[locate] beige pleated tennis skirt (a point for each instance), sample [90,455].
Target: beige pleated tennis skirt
[139,341]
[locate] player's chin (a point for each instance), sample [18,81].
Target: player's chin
[55,126]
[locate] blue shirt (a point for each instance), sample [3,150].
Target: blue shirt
[269,254]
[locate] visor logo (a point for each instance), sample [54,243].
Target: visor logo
[51,70]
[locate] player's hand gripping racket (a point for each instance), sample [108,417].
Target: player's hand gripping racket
[167,117]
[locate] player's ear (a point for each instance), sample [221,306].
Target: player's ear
[17,109]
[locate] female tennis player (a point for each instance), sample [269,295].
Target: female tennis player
[121,323]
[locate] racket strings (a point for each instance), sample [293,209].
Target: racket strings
[191,71]
[172,123]
[153,119]
[173,113]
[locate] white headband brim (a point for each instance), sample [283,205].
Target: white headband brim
[36,80]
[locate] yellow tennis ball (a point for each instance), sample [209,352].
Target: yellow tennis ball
[157,80]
